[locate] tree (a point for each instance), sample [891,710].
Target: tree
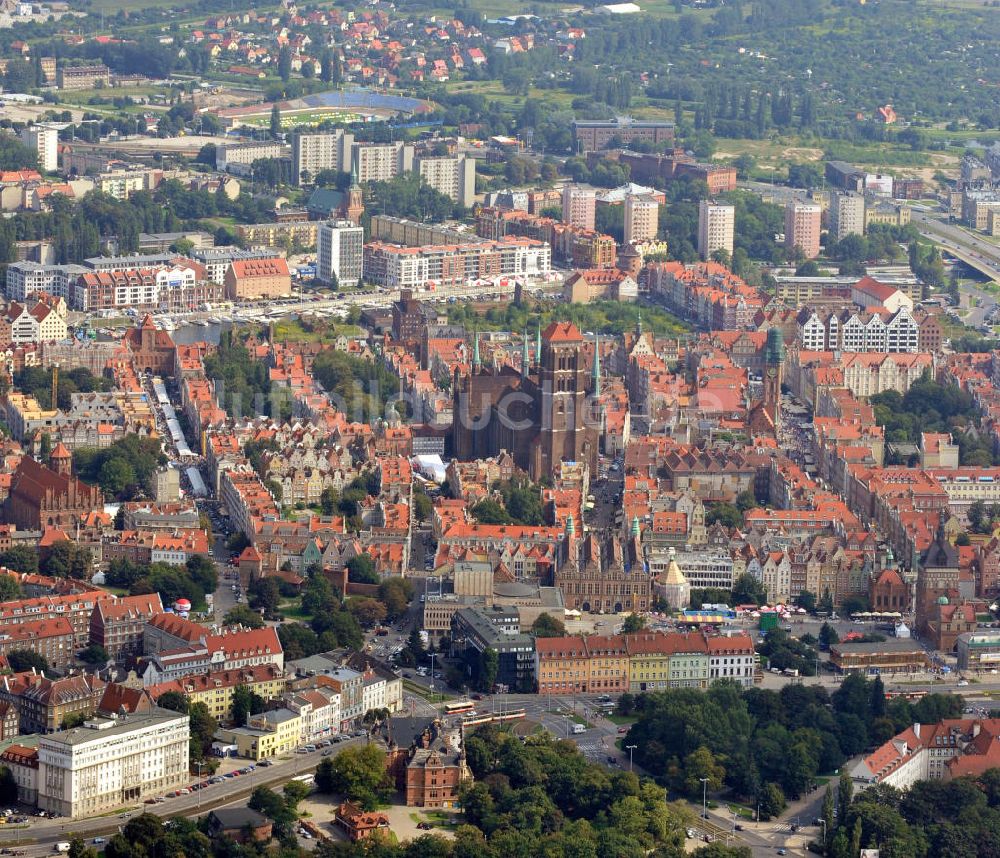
[8,786]
[275,123]
[633,624]
[827,815]
[702,764]
[361,570]
[245,703]
[241,615]
[273,806]
[10,589]
[359,773]
[422,506]
[26,659]
[772,801]
[20,558]
[747,590]
[294,792]
[66,559]
[546,626]
[174,700]
[264,594]
[396,594]
[94,654]
[806,600]
[115,475]
[285,63]
[202,727]
[368,612]
[845,792]
[488,511]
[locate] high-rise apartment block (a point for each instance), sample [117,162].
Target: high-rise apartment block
[847,214]
[43,139]
[313,153]
[381,162]
[340,250]
[454,177]
[641,218]
[579,206]
[802,227]
[716,224]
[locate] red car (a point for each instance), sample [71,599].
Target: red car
[622,730]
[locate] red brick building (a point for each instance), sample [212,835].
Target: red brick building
[117,626]
[433,776]
[45,497]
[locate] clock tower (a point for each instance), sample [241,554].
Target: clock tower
[774,358]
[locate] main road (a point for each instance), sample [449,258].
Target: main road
[41,834]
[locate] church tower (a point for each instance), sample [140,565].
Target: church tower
[565,434]
[61,460]
[355,201]
[774,358]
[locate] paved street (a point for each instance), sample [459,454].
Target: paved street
[45,832]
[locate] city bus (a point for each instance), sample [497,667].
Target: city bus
[458,707]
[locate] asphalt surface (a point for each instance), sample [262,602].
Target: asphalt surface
[43,833]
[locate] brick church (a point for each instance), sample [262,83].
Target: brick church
[51,496]
[544,414]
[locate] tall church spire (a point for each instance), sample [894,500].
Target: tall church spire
[525,357]
[597,365]
[538,344]
[476,361]
[638,323]
[570,526]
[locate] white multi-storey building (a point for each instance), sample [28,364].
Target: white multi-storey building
[25,279]
[453,177]
[44,139]
[641,218]
[112,762]
[340,251]
[579,206]
[847,214]
[323,150]
[380,162]
[716,227]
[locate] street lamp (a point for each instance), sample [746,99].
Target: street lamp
[199,764]
[432,672]
[630,749]
[823,821]
[704,797]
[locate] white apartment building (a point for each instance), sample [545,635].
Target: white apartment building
[44,139]
[111,762]
[318,710]
[324,150]
[340,251]
[641,218]
[237,158]
[454,177]
[847,214]
[25,279]
[579,206]
[380,162]
[373,693]
[803,222]
[716,226]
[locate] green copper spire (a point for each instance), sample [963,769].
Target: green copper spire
[354,174]
[597,365]
[538,344]
[476,362]
[638,323]
[570,526]
[890,560]
[635,525]
[525,357]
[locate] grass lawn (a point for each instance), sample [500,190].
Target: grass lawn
[622,720]
[292,610]
[323,330]
[430,696]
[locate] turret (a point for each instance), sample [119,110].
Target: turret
[477,362]
[525,357]
[597,366]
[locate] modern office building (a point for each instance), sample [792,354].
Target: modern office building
[847,214]
[802,227]
[579,206]
[641,218]
[340,250]
[716,224]
[454,177]
[312,153]
[112,762]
